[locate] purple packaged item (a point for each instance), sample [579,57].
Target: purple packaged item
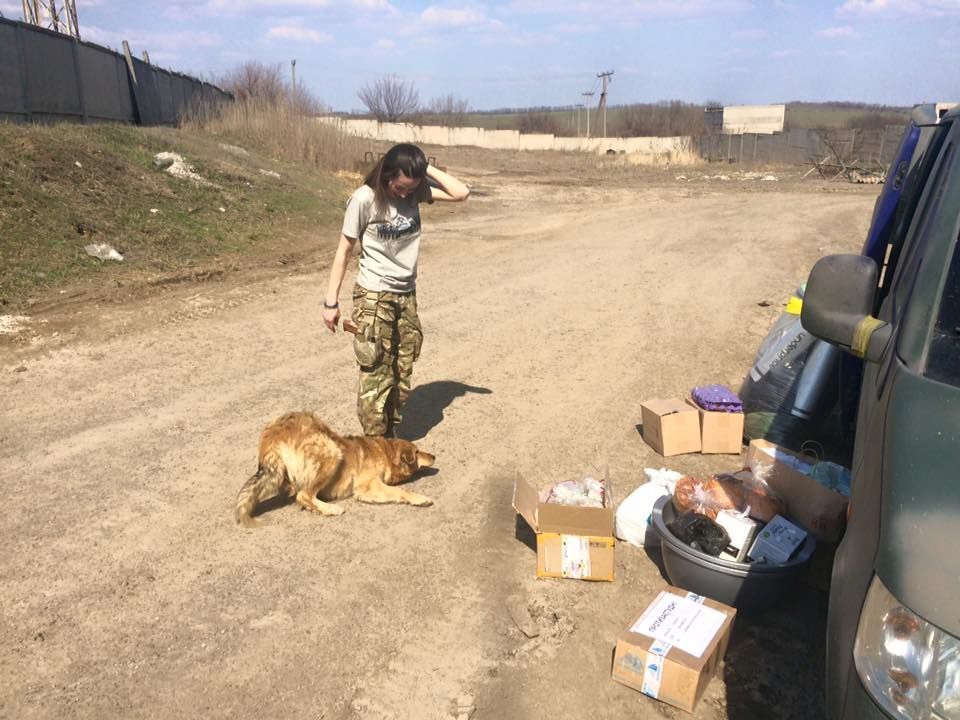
[717,398]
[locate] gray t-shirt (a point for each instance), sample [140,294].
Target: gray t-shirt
[390,243]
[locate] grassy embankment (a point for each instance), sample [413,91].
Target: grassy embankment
[271,192]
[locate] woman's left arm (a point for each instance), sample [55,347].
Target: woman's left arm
[446,186]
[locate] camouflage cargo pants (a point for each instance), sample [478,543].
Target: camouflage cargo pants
[386,346]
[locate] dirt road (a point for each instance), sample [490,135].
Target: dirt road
[553,305]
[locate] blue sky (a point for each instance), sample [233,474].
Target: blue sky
[519,53]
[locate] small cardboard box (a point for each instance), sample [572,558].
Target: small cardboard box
[816,508]
[671,427]
[673,649]
[720,432]
[572,542]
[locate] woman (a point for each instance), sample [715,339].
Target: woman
[384,215]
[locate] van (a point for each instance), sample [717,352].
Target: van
[893,626]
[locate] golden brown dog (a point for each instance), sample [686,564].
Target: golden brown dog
[299,454]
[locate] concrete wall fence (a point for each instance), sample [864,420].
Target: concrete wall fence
[46,76]
[669,149]
[799,146]
[863,148]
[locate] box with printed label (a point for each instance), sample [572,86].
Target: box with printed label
[572,542]
[673,649]
[671,427]
[720,432]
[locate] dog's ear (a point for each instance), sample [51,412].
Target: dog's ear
[409,455]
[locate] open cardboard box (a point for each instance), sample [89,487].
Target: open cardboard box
[572,542]
[672,650]
[818,509]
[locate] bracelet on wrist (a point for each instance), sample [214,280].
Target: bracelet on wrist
[331,307]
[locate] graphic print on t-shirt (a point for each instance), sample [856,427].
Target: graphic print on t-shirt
[398,227]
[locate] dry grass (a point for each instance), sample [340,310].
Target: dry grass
[276,128]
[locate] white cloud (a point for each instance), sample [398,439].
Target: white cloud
[576,28]
[783,53]
[386,44]
[372,5]
[837,32]
[452,17]
[614,11]
[156,43]
[295,32]
[11,10]
[739,52]
[183,9]
[751,34]
[894,7]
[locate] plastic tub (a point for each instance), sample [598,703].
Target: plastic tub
[749,587]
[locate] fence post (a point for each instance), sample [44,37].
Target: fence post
[22,58]
[134,87]
[79,78]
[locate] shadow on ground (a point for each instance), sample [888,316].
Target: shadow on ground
[776,661]
[426,403]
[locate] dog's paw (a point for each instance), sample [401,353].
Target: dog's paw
[421,501]
[333,510]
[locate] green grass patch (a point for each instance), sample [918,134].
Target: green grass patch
[67,186]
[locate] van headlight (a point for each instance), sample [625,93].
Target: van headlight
[910,667]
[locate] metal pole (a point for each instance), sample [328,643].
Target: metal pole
[586,109]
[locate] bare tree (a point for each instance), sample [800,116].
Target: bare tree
[539,122]
[390,99]
[664,119]
[253,80]
[447,110]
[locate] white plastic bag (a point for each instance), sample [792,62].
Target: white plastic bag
[633,515]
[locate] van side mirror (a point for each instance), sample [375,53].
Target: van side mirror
[837,304]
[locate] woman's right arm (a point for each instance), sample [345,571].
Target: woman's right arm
[331,315]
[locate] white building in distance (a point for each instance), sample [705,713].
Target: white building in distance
[739,119]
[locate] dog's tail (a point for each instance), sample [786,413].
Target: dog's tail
[253,489]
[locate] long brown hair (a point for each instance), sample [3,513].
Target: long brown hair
[405,158]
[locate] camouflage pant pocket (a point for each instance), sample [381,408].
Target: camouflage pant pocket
[367,347]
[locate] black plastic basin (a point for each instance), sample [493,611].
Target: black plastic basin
[750,587]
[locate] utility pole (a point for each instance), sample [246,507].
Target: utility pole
[605,76]
[587,108]
[578,106]
[46,14]
[293,80]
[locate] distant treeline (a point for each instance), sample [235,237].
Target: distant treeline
[675,117]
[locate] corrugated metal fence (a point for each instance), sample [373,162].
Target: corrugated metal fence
[47,76]
[855,147]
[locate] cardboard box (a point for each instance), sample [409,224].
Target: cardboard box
[778,541]
[673,649]
[572,542]
[720,432]
[574,556]
[671,427]
[814,507]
